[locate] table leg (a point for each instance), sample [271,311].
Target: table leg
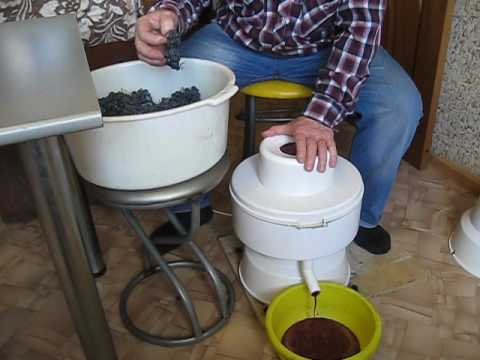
[89,236]
[61,210]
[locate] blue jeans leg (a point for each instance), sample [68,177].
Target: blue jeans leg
[391,109]
[390,104]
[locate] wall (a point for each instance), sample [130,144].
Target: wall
[457,132]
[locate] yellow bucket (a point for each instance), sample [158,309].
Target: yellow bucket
[335,302]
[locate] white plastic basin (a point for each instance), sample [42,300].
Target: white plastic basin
[161,148]
[465,240]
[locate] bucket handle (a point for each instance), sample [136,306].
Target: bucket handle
[318,224]
[225,94]
[299,225]
[322,223]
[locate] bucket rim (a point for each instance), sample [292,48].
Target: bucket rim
[365,353]
[224,94]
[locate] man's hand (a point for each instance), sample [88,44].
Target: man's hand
[151,35]
[312,139]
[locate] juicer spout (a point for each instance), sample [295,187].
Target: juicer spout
[306,267]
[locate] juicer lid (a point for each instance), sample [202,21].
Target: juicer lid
[307,211]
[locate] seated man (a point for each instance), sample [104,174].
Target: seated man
[332,46]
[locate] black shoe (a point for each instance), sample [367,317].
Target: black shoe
[168,229]
[376,240]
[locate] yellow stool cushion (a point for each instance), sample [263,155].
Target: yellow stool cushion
[277,89]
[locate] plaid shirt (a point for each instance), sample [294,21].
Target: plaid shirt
[299,27]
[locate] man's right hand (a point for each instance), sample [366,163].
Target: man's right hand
[151,35]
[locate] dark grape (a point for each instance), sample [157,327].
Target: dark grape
[140,102]
[172,52]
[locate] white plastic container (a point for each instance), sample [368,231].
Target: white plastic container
[292,219]
[465,241]
[162,148]
[273,164]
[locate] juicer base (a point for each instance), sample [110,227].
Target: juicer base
[264,286]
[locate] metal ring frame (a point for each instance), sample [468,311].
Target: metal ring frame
[127,202]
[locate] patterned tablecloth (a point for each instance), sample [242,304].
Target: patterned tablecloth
[99,21]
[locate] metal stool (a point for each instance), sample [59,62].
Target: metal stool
[165,197]
[270,89]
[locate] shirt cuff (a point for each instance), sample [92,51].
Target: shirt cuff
[170,5]
[325,110]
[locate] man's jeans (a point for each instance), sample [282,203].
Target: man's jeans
[389,102]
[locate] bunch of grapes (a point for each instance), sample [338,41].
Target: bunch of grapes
[172,53]
[122,103]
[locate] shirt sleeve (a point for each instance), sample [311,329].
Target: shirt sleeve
[338,84]
[188,11]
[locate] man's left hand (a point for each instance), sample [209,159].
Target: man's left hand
[312,139]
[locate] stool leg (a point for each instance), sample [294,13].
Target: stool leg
[195,224]
[176,224]
[183,235]
[195,220]
[147,261]
[222,300]
[249,136]
[182,292]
